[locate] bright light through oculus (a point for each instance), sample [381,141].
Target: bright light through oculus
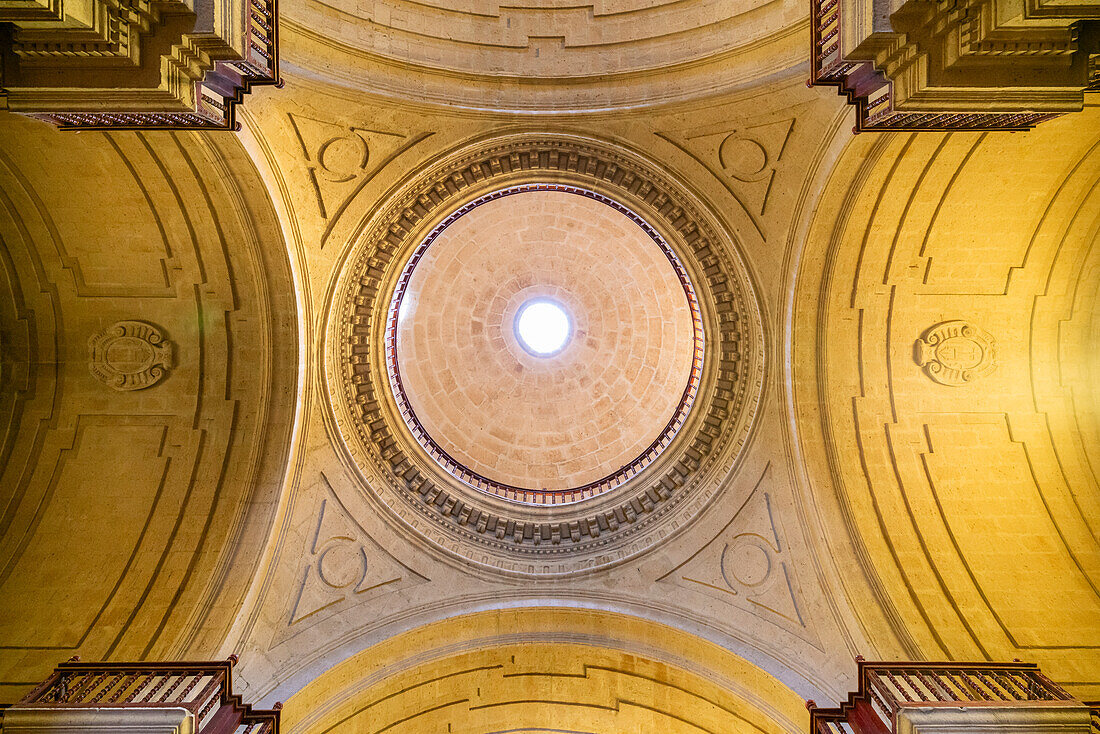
[542,327]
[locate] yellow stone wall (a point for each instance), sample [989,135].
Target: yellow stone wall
[970,511]
[130,519]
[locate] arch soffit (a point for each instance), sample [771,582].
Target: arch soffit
[517,665]
[157,365]
[928,468]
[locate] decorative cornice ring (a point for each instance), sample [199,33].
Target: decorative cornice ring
[493,531]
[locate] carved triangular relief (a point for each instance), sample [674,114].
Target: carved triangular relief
[746,563]
[341,158]
[744,158]
[344,563]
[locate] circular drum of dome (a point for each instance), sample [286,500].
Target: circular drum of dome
[565,457]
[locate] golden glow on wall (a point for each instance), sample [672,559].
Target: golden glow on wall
[146,393]
[546,670]
[929,490]
[944,325]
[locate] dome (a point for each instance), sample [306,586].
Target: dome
[577,456]
[601,400]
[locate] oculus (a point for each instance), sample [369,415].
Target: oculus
[542,327]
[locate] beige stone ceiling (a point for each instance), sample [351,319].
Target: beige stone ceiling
[566,420]
[131,517]
[910,471]
[543,54]
[976,500]
[537,39]
[542,670]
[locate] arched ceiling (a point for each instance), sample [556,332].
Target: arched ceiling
[547,670]
[542,39]
[943,353]
[355,562]
[765,570]
[542,55]
[542,530]
[148,334]
[905,451]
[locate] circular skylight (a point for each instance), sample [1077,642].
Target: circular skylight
[542,327]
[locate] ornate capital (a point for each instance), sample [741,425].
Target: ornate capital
[967,65]
[85,65]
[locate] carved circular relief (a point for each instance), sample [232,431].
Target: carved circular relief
[956,352]
[703,366]
[747,562]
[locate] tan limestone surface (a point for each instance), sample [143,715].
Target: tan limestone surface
[559,421]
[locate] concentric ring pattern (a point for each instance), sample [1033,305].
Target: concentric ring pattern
[561,428]
[400,357]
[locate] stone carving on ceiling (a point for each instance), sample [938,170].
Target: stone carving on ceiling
[130,355]
[342,159]
[151,504]
[940,485]
[511,536]
[956,353]
[748,562]
[344,563]
[744,158]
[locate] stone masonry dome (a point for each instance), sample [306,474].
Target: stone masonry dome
[582,418]
[530,348]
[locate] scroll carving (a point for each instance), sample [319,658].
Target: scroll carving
[956,353]
[130,355]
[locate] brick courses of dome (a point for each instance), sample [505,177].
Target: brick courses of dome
[567,427]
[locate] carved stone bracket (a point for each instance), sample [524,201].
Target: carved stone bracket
[954,64]
[85,65]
